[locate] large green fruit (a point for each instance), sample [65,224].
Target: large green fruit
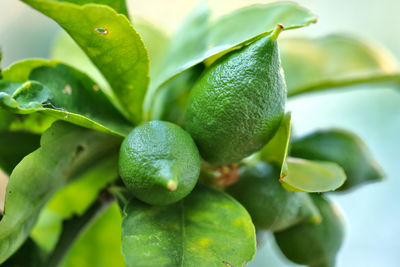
[270,205]
[159,163]
[313,244]
[237,104]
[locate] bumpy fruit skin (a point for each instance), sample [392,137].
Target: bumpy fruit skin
[237,105]
[159,163]
[313,244]
[271,206]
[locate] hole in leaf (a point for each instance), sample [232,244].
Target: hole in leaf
[101,30]
[79,150]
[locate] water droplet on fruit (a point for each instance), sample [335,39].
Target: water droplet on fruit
[101,30]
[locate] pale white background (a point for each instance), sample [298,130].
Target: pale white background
[372,212]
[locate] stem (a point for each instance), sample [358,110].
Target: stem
[276,32]
[395,78]
[73,227]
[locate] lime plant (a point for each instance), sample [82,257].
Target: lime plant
[130,147]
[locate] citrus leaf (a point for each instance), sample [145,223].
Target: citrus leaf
[335,61]
[189,41]
[14,146]
[312,176]
[67,51]
[73,200]
[156,42]
[171,99]
[276,150]
[66,151]
[344,148]
[117,5]
[20,71]
[100,245]
[238,29]
[113,45]
[207,228]
[64,93]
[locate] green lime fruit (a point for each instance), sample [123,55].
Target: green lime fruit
[312,244]
[344,148]
[159,163]
[271,206]
[236,106]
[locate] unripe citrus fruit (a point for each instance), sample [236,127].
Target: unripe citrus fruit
[313,244]
[236,106]
[159,163]
[270,205]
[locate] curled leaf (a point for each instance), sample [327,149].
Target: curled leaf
[312,176]
[344,148]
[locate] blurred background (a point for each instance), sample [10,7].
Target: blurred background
[372,212]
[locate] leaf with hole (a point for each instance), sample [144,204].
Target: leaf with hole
[113,45]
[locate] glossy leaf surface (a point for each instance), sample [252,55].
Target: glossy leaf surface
[344,148]
[276,150]
[113,45]
[206,228]
[189,41]
[312,176]
[61,92]
[238,29]
[66,150]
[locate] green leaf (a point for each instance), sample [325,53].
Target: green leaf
[207,228]
[277,148]
[1,57]
[20,71]
[171,99]
[66,50]
[73,199]
[100,245]
[117,5]
[29,254]
[14,146]
[156,42]
[312,176]
[66,94]
[111,43]
[66,151]
[236,30]
[189,41]
[344,148]
[335,61]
